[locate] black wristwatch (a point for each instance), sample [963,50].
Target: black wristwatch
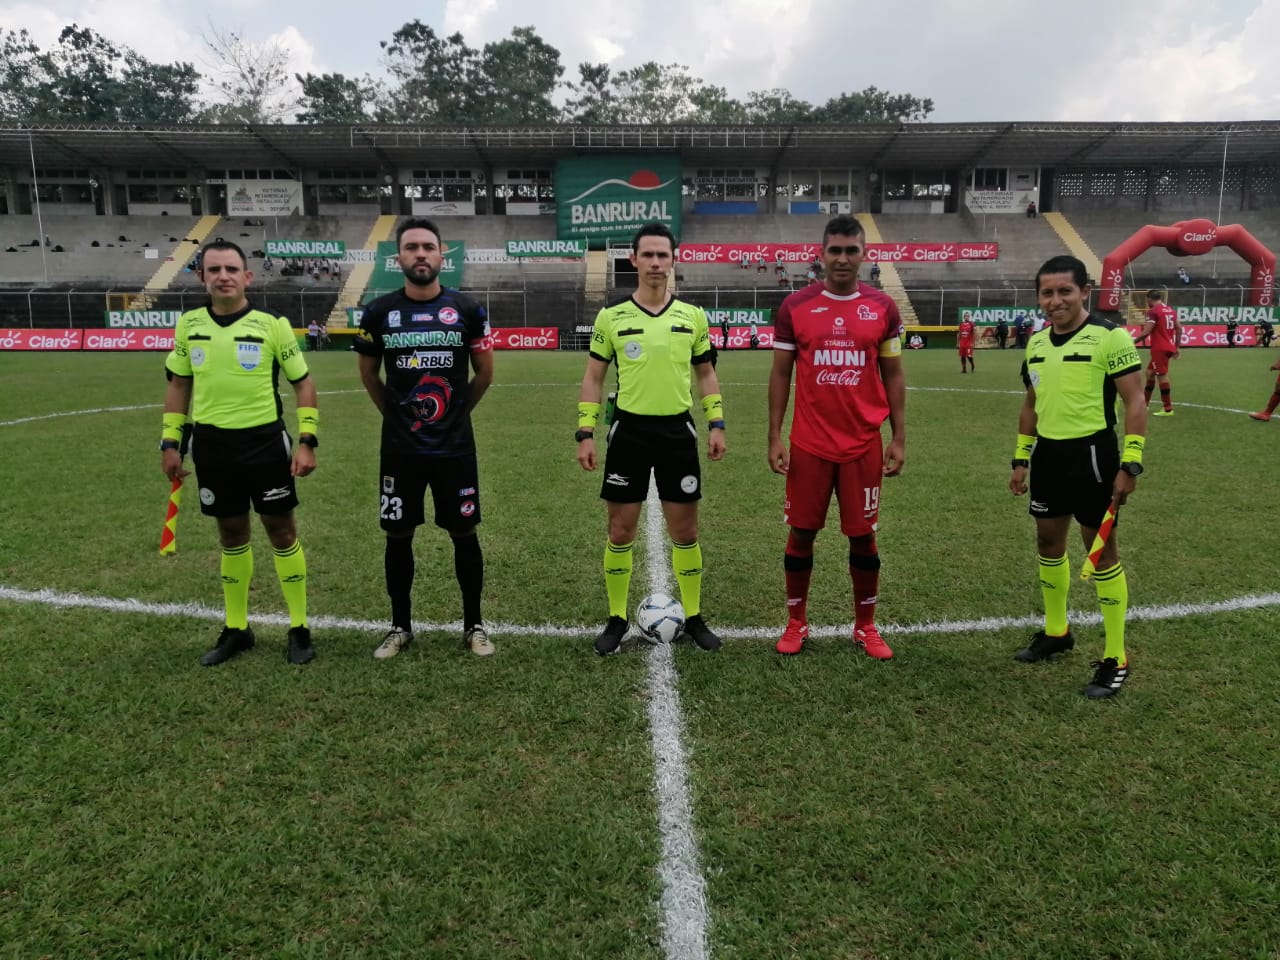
[1015,464]
[580,435]
[170,445]
[1131,468]
[309,440]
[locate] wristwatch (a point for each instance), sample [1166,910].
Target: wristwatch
[580,435]
[170,445]
[1015,464]
[1131,468]
[309,440]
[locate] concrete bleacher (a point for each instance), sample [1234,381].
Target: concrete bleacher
[113,263]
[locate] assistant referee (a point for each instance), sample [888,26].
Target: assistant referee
[1073,371]
[224,369]
[660,345]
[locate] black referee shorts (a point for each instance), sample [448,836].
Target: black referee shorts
[666,447]
[1074,477]
[236,468]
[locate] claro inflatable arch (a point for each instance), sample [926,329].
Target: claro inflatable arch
[1191,238]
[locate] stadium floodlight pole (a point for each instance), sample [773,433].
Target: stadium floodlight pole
[35,190]
[1222,186]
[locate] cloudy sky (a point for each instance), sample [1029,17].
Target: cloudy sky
[977,59]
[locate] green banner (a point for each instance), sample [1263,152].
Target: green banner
[388,276]
[739,317]
[546,248]
[325,249]
[602,199]
[990,316]
[145,319]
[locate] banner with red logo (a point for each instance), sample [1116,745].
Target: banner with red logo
[793,253]
[526,338]
[128,340]
[40,339]
[1206,335]
[740,338]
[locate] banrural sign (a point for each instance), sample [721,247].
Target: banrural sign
[163,319]
[546,248]
[602,199]
[324,249]
[388,276]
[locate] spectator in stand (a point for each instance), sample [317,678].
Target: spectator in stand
[1183,277]
[761,267]
[1031,210]
[268,265]
[1002,333]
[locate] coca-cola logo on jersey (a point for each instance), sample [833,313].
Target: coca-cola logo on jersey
[839,378]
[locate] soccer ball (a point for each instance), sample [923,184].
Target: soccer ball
[660,618]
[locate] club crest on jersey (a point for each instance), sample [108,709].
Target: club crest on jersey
[448,315]
[468,508]
[249,355]
[865,312]
[393,318]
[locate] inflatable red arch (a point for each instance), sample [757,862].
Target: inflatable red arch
[1191,238]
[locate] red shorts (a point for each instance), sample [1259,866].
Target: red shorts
[966,349]
[811,480]
[1160,361]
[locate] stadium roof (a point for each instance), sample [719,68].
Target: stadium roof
[877,146]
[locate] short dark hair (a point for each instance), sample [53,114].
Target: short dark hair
[418,223]
[654,229]
[221,244]
[1065,264]
[842,226]
[1154,295]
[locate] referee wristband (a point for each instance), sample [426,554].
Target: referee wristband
[172,424]
[1133,446]
[308,420]
[713,407]
[1022,449]
[715,424]
[588,414]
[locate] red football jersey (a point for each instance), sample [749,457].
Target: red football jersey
[838,342]
[1166,320]
[964,335]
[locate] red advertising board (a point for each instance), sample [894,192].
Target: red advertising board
[128,340]
[40,339]
[793,253]
[1207,335]
[740,338]
[526,338]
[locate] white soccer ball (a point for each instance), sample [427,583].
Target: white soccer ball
[660,618]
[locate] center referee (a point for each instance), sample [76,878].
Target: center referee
[660,344]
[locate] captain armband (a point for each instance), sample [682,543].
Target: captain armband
[588,414]
[308,420]
[1022,449]
[713,407]
[172,424]
[1132,450]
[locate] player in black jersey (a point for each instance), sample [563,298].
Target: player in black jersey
[426,341]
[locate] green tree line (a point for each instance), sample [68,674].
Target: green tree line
[426,78]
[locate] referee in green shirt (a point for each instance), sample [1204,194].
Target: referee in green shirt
[224,369]
[1074,370]
[660,345]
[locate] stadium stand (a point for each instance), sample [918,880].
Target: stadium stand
[112,262]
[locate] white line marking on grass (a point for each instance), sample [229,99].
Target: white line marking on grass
[1174,611]
[684,896]
[78,413]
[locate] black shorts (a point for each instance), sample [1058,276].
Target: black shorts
[235,468]
[665,446]
[455,490]
[1074,477]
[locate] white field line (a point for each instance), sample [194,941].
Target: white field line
[684,898]
[197,611]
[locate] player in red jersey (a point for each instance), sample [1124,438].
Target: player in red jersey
[965,336]
[843,340]
[1165,331]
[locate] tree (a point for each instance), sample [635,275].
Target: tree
[654,94]
[252,78]
[87,79]
[776,106]
[334,98]
[872,105]
[517,78]
[434,78]
[594,100]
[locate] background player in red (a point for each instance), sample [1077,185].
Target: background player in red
[1265,415]
[1165,331]
[843,340]
[965,336]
